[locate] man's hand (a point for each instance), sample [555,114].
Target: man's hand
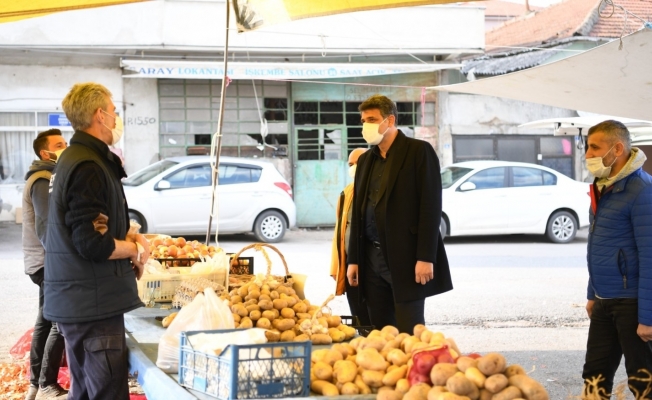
[589,307]
[137,261]
[644,332]
[352,274]
[423,272]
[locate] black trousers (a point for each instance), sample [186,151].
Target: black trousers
[612,334]
[97,359]
[47,346]
[379,294]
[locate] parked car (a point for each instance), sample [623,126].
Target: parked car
[173,196]
[500,197]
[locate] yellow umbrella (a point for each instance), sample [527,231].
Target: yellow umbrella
[15,10]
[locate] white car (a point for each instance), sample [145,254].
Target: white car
[173,196]
[500,197]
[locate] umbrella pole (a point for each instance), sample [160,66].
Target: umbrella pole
[218,134]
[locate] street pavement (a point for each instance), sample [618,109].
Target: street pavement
[519,295]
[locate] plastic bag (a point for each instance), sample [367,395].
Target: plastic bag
[21,349]
[424,360]
[205,312]
[209,265]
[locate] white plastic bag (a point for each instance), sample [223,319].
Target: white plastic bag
[205,312]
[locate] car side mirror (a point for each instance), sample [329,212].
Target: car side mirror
[466,186]
[162,185]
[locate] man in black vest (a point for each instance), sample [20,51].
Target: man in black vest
[396,254]
[91,263]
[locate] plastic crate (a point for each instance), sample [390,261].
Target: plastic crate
[256,371]
[354,322]
[163,286]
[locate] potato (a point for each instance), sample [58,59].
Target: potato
[370,359]
[392,330]
[255,315]
[334,321]
[324,388]
[364,388]
[460,384]
[440,373]
[318,355]
[346,351]
[279,304]
[514,370]
[236,299]
[246,323]
[287,313]
[373,379]
[283,324]
[332,356]
[496,383]
[322,371]
[303,316]
[291,300]
[243,291]
[320,338]
[426,335]
[417,392]
[265,304]
[250,302]
[408,343]
[336,335]
[452,345]
[349,332]
[240,310]
[273,336]
[253,295]
[509,393]
[485,394]
[274,294]
[376,342]
[264,296]
[391,377]
[323,321]
[419,346]
[446,396]
[345,371]
[288,336]
[263,323]
[435,391]
[389,395]
[397,357]
[491,364]
[531,389]
[350,388]
[168,320]
[236,318]
[356,342]
[270,314]
[302,338]
[418,329]
[300,308]
[465,362]
[475,376]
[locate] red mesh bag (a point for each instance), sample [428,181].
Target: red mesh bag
[423,361]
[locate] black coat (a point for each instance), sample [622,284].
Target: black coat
[408,216]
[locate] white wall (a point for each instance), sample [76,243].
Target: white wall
[141,118]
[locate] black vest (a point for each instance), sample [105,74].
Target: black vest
[77,289]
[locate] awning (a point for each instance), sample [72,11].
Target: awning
[268,71]
[15,10]
[575,125]
[603,80]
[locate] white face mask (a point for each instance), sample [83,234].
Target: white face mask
[118,131]
[54,155]
[597,168]
[370,132]
[352,171]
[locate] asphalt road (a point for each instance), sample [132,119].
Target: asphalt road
[519,295]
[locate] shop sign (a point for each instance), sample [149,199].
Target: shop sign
[269,71]
[58,119]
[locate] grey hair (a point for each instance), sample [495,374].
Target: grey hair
[614,131]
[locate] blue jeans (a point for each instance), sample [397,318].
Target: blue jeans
[97,359]
[612,334]
[47,346]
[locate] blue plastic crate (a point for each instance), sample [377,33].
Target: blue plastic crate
[270,370]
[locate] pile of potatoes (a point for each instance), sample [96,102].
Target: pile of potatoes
[379,364]
[287,318]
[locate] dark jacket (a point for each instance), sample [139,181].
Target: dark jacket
[408,218]
[619,252]
[81,283]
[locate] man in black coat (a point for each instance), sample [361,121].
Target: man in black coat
[396,253]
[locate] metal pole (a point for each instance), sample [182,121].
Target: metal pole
[218,134]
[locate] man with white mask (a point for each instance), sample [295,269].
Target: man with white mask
[619,259]
[396,254]
[340,247]
[91,262]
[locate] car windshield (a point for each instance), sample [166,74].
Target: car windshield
[450,175]
[148,173]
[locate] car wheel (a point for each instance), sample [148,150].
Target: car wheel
[137,218]
[443,228]
[562,227]
[269,227]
